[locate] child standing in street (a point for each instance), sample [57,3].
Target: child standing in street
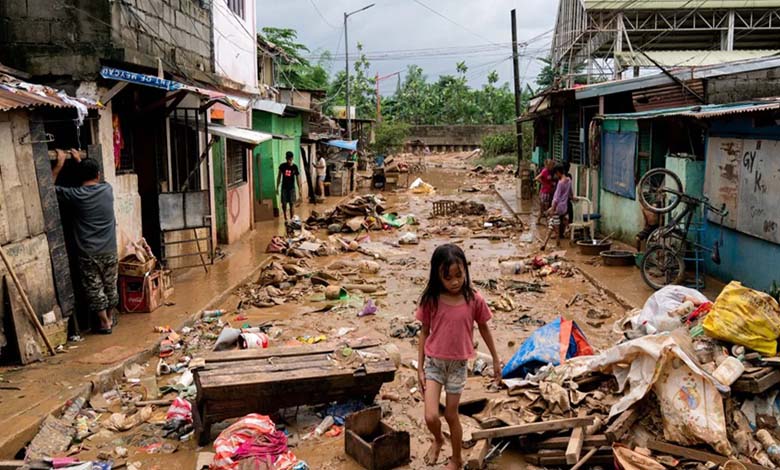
[448,309]
[559,211]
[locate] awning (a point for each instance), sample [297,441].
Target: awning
[269,107]
[702,111]
[247,136]
[15,93]
[236,102]
[343,144]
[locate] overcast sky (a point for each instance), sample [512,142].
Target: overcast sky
[403,25]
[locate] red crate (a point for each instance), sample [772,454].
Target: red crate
[140,294]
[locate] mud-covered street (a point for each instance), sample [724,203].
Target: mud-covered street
[299,314]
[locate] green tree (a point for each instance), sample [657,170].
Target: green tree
[553,76]
[361,88]
[293,69]
[390,136]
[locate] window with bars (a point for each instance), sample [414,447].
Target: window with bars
[237,7]
[235,156]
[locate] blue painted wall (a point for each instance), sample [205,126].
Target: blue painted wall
[744,258]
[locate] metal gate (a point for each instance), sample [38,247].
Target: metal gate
[185,209]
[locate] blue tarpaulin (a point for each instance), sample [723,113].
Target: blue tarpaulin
[343,144]
[552,343]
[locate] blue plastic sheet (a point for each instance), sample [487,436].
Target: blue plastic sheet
[544,347]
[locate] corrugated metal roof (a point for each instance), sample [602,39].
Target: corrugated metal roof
[15,93]
[703,111]
[690,58]
[683,73]
[678,4]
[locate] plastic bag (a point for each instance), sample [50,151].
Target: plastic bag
[744,316]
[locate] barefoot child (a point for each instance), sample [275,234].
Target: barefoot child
[559,210]
[449,307]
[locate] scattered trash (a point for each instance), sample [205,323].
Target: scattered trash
[409,238]
[369,308]
[419,186]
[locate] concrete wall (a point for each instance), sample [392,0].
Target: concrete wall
[69,37]
[239,211]
[127,201]
[455,135]
[235,45]
[744,86]
[619,215]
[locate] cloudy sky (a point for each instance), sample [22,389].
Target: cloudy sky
[433,34]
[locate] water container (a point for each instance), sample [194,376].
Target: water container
[729,370]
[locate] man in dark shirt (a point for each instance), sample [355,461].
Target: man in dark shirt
[94,229]
[288,177]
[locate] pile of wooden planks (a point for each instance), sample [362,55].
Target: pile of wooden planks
[236,383]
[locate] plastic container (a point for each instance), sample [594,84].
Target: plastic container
[253,341]
[212,314]
[323,427]
[729,370]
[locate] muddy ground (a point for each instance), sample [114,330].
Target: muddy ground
[402,276]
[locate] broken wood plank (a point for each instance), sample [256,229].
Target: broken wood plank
[623,423]
[544,426]
[574,449]
[693,454]
[248,354]
[584,459]
[478,454]
[562,441]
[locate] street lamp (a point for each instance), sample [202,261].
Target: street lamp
[346,54]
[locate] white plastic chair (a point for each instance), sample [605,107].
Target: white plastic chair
[582,210]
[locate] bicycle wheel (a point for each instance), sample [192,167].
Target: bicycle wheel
[660,190]
[662,266]
[665,236]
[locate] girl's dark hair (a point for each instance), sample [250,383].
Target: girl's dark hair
[443,257]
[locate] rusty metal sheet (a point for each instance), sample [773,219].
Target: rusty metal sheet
[668,96]
[15,94]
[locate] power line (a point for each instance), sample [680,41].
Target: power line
[452,21]
[317,9]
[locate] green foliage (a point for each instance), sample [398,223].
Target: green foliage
[553,76]
[361,88]
[497,144]
[389,137]
[504,160]
[293,70]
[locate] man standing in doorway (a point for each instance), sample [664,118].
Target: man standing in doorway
[322,169]
[289,176]
[94,229]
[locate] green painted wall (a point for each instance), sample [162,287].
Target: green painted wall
[619,215]
[220,188]
[269,155]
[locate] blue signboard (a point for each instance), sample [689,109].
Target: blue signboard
[139,78]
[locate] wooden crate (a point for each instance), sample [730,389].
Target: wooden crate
[235,383]
[757,380]
[372,443]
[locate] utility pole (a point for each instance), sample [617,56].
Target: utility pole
[346,66]
[516,67]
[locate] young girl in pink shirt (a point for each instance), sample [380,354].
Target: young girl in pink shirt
[448,309]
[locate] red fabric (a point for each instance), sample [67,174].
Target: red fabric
[546,180]
[452,328]
[565,334]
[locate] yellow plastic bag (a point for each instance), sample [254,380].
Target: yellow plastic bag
[744,316]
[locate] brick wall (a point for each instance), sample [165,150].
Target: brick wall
[744,86]
[69,37]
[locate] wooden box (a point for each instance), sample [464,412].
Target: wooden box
[372,443]
[167,283]
[130,266]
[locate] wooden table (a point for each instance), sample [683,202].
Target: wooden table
[236,383]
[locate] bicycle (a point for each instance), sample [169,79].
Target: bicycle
[660,191]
